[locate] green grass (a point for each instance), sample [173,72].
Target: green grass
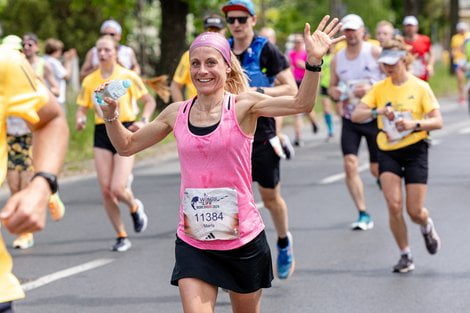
[442,82]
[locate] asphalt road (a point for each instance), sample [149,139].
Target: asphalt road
[70,268]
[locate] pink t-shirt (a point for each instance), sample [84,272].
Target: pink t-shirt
[294,57]
[218,160]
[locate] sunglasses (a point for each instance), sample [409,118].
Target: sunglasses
[109,34]
[240,19]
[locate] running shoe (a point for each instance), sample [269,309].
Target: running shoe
[363,223]
[139,218]
[287,147]
[314,128]
[298,143]
[56,207]
[431,239]
[285,259]
[404,265]
[122,244]
[24,241]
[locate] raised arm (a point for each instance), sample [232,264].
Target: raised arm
[316,44]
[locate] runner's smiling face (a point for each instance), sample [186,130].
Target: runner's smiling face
[241,30]
[208,70]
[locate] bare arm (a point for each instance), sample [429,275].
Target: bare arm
[127,142]
[432,121]
[286,85]
[317,44]
[333,89]
[87,66]
[362,112]
[176,90]
[134,64]
[149,108]
[68,58]
[50,79]
[80,117]
[25,211]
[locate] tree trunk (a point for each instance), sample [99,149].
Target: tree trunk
[454,15]
[412,7]
[173,35]
[454,19]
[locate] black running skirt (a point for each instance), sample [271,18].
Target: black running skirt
[243,270]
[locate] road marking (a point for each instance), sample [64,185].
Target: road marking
[336,177]
[42,281]
[259,205]
[465,131]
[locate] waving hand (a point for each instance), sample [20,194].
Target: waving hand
[318,43]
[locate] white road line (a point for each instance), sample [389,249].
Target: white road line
[42,281]
[259,205]
[336,177]
[465,131]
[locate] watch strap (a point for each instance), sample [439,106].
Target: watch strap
[51,180]
[313,68]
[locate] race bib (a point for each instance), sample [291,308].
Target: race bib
[211,213]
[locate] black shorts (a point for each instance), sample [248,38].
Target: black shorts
[265,165]
[6,307]
[101,139]
[410,162]
[243,270]
[352,133]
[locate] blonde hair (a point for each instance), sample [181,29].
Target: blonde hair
[398,43]
[237,81]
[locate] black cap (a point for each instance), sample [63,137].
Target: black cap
[214,20]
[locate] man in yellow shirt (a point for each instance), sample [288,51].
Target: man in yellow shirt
[459,59]
[182,78]
[23,95]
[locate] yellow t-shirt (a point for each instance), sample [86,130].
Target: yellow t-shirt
[22,95]
[414,96]
[456,46]
[183,76]
[127,103]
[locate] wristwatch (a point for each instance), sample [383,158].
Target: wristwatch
[259,89]
[418,126]
[313,68]
[50,178]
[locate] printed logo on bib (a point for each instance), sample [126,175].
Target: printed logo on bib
[211,213]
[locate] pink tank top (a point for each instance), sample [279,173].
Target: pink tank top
[220,160]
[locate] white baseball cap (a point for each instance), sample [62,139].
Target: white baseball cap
[352,21]
[410,20]
[391,57]
[461,26]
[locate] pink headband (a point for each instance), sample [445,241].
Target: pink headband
[213,40]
